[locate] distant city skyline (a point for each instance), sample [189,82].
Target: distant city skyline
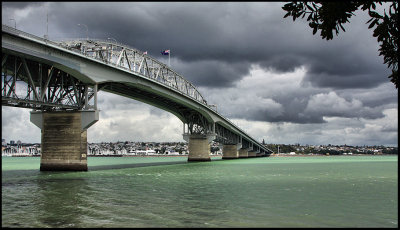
[128,148]
[269,75]
[4,141]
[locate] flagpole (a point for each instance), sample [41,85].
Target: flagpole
[169,60]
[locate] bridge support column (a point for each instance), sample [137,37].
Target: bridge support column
[243,153]
[230,151]
[64,139]
[252,153]
[199,146]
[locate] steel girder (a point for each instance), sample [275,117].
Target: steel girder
[136,61]
[226,136]
[32,84]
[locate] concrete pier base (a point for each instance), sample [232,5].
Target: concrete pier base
[199,147]
[64,140]
[229,151]
[252,154]
[243,153]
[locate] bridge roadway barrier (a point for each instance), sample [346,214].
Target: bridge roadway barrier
[64,139]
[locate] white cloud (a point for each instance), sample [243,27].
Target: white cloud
[135,125]
[330,104]
[16,125]
[254,94]
[126,119]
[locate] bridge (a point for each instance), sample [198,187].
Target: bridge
[59,81]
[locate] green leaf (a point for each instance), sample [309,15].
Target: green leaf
[373,24]
[309,17]
[315,30]
[287,6]
[288,14]
[341,27]
[374,14]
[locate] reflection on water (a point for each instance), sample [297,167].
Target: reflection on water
[59,202]
[43,199]
[124,166]
[257,192]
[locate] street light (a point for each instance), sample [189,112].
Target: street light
[15,23]
[87,30]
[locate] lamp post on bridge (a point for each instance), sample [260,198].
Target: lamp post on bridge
[87,30]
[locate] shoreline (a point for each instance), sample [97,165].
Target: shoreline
[272,155]
[321,155]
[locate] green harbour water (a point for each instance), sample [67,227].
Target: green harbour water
[303,191]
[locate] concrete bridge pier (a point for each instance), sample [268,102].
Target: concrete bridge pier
[243,153]
[199,146]
[230,151]
[64,138]
[252,153]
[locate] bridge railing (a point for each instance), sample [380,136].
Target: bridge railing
[28,35]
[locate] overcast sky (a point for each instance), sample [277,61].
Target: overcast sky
[269,75]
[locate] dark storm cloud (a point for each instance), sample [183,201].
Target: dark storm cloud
[305,109]
[343,70]
[214,45]
[213,73]
[230,33]
[237,34]
[19,5]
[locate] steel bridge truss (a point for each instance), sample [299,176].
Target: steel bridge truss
[225,136]
[136,61]
[32,84]
[199,125]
